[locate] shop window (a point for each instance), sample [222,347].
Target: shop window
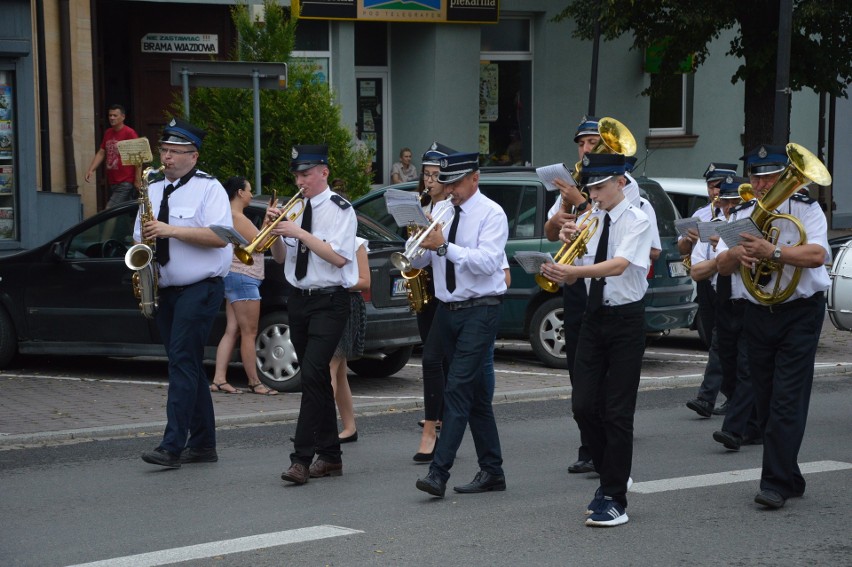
[312,48]
[371,44]
[505,93]
[8,157]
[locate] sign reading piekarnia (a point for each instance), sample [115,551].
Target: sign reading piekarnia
[422,11]
[182,43]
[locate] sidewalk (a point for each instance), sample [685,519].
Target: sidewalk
[35,409]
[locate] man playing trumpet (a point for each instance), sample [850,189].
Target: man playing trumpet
[612,335]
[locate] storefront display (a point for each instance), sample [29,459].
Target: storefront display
[8,230]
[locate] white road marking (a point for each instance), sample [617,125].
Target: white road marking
[225,547]
[728,477]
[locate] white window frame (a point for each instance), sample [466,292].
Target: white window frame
[681,130]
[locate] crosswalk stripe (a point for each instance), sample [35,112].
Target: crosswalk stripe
[225,547]
[727,477]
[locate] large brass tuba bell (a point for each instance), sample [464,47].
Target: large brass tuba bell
[615,139]
[804,168]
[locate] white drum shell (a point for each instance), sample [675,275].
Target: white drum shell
[840,292]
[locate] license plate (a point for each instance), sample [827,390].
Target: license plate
[677,269]
[399,288]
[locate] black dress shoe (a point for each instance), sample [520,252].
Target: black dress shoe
[161,457]
[426,457]
[350,439]
[731,441]
[483,482]
[722,409]
[770,499]
[197,455]
[701,407]
[431,484]
[581,466]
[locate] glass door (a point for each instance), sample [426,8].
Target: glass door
[8,186]
[371,124]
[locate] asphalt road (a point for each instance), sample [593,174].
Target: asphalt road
[97,502]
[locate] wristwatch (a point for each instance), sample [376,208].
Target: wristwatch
[442,249]
[776,255]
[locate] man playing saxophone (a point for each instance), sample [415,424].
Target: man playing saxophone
[192,262]
[782,336]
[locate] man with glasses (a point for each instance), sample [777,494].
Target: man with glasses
[192,261]
[467,259]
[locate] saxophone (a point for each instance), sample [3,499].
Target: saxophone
[140,257]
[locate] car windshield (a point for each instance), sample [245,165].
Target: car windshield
[666,213]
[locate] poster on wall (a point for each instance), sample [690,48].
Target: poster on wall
[5,102]
[484,132]
[488,92]
[7,179]
[6,140]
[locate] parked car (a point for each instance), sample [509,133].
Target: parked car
[73,296]
[533,314]
[688,195]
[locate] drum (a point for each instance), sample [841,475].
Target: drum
[840,292]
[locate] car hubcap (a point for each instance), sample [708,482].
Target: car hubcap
[552,334]
[276,357]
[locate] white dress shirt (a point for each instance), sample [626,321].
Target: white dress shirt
[478,252]
[201,202]
[336,226]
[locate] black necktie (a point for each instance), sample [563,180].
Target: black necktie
[302,253]
[451,268]
[596,287]
[163,216]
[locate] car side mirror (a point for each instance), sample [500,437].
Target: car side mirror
[57,251]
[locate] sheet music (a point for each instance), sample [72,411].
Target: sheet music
[730,232]
[531,261]
[684,225]
[405,208]
[708,229]
[548,173]
[229,235]
[134,152]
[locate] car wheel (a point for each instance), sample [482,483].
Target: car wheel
[277,365]
[547,336]
[8,339]
[392,363]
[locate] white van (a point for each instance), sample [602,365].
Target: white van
[687,194]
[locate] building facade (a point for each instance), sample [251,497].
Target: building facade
[514,89]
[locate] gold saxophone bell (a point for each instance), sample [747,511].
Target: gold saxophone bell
[264,239]
[615,139]
[804,168]
[569,252]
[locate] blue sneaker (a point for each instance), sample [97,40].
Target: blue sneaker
[612,514]
[597,503]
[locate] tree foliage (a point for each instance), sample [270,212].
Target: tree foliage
[821,56]
[304,113]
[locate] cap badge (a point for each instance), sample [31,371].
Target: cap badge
[434,146]
[444,164]
[729,179]
[712,168]
[295,153]
[762,153]
[586,160]
[173,123]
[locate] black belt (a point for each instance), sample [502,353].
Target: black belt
[795,304]
[320,290]
[475,302]
[213,280]
[626,309]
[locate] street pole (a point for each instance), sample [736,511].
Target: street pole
[593,80]
[781,128]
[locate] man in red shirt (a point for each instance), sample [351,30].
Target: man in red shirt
[120,178]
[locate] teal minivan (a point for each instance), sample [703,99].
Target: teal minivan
[530,313]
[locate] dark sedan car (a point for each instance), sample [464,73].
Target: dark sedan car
[73,296]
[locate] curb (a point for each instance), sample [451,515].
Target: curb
[272,417]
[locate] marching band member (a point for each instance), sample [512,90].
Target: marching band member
[612,335]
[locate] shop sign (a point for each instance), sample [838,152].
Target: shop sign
[180,43]
[420,11]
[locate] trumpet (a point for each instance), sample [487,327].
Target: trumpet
[413,250]
[264,239]
[568,254]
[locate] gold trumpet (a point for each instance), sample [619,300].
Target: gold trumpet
[264,239]
[615,139]
[804,168]
[568,254]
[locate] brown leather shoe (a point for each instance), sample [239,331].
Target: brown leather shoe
[322,468]
[297,474]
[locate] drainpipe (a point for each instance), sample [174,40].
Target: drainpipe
[43,104]
[67,98]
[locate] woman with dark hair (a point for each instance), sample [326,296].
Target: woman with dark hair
[242,292]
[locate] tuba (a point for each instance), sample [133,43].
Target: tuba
[804,168]
[140,257]
[417,280]
[577,248]
[615,139]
